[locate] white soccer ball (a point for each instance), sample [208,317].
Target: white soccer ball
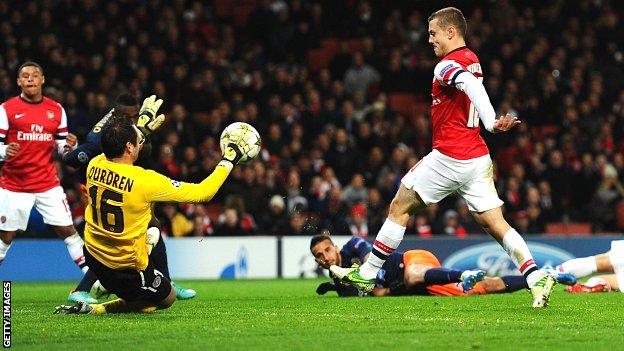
[244,136]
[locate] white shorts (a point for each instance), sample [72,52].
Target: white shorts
[15,208]
[436,176]
[616,256]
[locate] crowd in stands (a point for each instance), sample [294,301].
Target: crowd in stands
[339,91]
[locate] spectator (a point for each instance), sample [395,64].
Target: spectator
[275,221]
[355,192]
[357,221]
[339,112]
[359,76]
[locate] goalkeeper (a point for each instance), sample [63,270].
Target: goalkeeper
[127,106]
[119,210]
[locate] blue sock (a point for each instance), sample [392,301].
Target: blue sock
[442,276]
[514,283]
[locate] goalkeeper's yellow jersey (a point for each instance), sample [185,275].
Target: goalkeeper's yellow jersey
[119,208]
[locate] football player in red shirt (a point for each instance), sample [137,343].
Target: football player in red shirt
[459,162]
[32,126]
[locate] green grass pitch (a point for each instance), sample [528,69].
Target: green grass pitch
[287,315]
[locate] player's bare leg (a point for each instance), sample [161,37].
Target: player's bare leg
[405,202]
[584,266]
[74,244]
[6,238]
[541,284]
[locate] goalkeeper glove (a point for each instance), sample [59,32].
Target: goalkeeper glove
[323,288]
[232,153]
[148,120]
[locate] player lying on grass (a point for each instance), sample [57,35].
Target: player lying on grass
[415,272]
[126,106]
[611,261]
[118,213]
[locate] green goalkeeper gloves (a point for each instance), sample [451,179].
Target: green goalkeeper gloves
[148,120]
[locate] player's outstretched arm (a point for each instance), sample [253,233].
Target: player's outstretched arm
[81,155]
[163,189]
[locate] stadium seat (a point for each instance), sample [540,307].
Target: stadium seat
[407,104]
[242,11]
[568,228]
[355,45]
[331,45]
[619,215]
[224,8]
[214,210]
[539,132]
[319,58]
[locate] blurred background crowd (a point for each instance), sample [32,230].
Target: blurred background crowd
[339,91]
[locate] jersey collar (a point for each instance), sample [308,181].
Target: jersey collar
[30,102]
[452,51]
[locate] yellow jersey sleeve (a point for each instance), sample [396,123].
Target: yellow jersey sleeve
[159,188]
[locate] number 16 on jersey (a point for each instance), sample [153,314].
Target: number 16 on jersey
[107,211]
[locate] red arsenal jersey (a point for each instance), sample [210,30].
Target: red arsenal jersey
[455,121]
[35,127]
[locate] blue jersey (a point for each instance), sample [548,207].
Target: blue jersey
[354,252]
[80,156]
[392,271]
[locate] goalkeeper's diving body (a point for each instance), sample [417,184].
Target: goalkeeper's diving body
[128,106]
[118,213]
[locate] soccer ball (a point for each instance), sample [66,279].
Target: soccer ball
[243,135]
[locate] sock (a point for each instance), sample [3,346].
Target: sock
[3,250]
[87,281]
[580,267]
[514,283]
[387,240]
[519,252]
[159,257]
[442,276]
[74,246]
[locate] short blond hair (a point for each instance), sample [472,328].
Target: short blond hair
[450,16]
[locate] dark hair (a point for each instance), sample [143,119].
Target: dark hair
[117,131]
[127,106]
[126,100]
[29,64]
[324,235]
[450,16]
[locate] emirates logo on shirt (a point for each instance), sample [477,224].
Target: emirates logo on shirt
[36,134]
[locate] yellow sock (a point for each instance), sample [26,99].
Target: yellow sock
[149,309]
[115,306]
[121,306]
[98,309]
